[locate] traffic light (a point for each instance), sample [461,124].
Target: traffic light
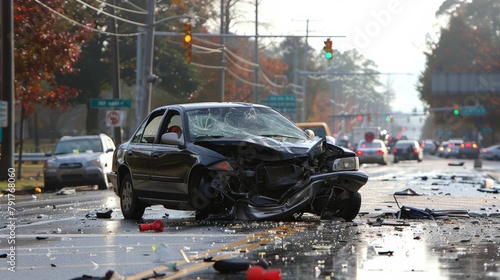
[328,49]
[188,41]
[456,109]
[388,119]
[359,117]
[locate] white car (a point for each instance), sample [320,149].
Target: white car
[79,161]
[373,151]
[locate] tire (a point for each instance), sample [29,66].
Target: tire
[50,186]
[131,207]
[103,185]
[344,205]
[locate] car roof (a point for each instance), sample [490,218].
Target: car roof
[204,105]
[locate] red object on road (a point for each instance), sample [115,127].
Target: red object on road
[256,272]
[157,226]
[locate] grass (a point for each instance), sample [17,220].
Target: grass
[31,177]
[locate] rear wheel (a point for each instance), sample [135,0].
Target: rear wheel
[131,207]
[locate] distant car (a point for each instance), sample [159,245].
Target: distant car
[468,149]
[407,150]
[372,152]
[429,146]
[442,149]
[453,147]
[491,152]
[79,161]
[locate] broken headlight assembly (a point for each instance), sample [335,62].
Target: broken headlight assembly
[343,164]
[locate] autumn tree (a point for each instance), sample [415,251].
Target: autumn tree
[44,46]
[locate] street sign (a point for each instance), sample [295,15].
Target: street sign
[285,103]
[110,103]
[473,111]
[115,118]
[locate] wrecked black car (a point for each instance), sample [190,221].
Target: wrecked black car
[234,160]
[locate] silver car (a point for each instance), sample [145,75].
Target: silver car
[373,151]
[491,152]
[79,161]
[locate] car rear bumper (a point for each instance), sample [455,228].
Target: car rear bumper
[91,175]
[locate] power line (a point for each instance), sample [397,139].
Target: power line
[121,8]
[111,15]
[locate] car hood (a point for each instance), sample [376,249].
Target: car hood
[81,157]
[267,148]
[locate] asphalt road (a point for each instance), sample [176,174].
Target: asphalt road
[61,236]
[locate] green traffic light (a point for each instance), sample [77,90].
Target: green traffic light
[456,112]
[328,55]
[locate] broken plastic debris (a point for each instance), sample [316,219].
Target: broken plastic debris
[65,191]
[110,275]
[161,251]
[406,192]
[238,264]
[157,226]
[104,215]
[259,273]
[456,163]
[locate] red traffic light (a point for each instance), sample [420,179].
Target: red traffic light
[359,117]
[369,136]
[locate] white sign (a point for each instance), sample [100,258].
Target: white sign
[3,113]
[115,118]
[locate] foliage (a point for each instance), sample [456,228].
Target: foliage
[43,48]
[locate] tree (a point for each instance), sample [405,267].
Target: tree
[44,47]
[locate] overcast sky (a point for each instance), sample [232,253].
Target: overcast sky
[392,33]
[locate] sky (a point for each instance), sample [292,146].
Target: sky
[392,33]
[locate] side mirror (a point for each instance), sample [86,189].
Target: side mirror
[310,133]
[171,138]
[109,150]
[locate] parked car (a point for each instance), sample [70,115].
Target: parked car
[453,147]
[79,161]
[441,151]
[373,151]
[468,149]
[429,146]
[407,150]
[236,160]
[491,152]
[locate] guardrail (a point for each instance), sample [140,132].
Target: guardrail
[31,157]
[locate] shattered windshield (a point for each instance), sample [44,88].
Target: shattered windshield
[239,123]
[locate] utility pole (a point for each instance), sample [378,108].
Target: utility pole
[7,89]
[304,79]
[256,55]
[115,50]
[148,77]
[222,46]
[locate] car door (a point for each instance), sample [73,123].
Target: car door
[138,152]
[170,164]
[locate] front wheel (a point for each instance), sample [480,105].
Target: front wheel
[339,204]
[131,207]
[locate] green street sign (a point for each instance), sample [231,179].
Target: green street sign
[473,111]
[110,103]
[285,103]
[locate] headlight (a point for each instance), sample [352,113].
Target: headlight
[350,163]
[95,162]
[49,165]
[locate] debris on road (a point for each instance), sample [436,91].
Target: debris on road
[66,191]
[157,226]
[238,264]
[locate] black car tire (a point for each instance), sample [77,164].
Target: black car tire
[131,207]
[50,186]
[103,185]
[352,206]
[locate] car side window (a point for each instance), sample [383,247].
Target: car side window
[148,130]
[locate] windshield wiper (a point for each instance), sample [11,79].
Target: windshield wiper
[209,137]
[278,135]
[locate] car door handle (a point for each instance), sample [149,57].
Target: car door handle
[156,155]
[129,153]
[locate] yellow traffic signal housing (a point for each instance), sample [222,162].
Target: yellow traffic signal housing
[188,41]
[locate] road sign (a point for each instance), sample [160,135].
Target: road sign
[473,111]
[285,103]
[115,118]
[110,103]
